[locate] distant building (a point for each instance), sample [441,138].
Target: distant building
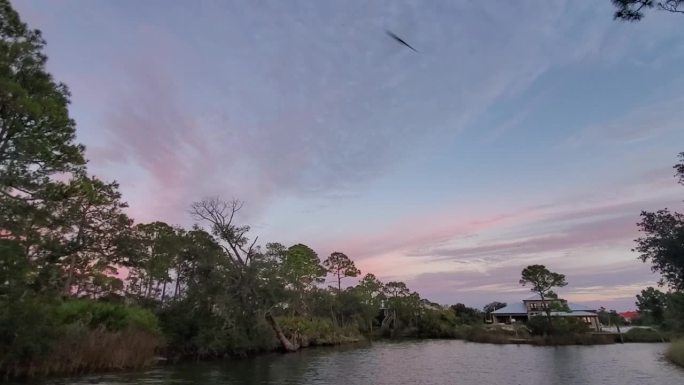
[534,306]
[629,316]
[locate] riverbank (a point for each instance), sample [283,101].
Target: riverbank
[96,337]
[497,334]
[419,362]
[76,336]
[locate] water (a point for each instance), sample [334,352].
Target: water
[425,363]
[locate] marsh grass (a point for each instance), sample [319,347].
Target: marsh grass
[86,336]
[675,352]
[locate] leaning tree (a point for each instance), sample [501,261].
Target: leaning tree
[252,270]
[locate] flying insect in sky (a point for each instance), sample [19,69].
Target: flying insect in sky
[399,40]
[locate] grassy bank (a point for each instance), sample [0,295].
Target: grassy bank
[645,335]
[77,336]
[520,335]
[675,352]
[318,332]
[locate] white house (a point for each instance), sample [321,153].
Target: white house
[534,306]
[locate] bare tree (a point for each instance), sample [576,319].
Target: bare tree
[220,215]
[242,255]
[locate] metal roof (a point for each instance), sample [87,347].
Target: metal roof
[536,297]
[521,309]
[577,307]
[514,308]
[573,314]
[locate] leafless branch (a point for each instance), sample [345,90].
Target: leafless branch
[671,6]
[220,215]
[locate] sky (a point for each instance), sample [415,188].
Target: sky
[527,132]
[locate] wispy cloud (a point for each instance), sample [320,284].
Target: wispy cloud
[308,104]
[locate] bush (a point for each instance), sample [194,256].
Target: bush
[27,332]
[539,326]
[113,316]
[317,331]
[203,332]
[675,352]
[42,336]
[642,335]
[491,335]
[438,324]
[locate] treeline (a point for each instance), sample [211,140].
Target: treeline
[662,245]
[82,287]
[662,309]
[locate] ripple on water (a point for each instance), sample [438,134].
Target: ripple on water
[432,362]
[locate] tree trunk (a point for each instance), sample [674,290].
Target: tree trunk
[286,344]
[70,275]
[617,325]
[547,310]
[176,291]
[149,288]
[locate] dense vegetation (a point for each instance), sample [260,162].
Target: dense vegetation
[662,244]
[676,352]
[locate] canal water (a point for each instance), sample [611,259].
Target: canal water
[424,363]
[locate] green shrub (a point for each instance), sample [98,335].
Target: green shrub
[438,324]
[27,332]
[112,316]
[642,335]
[317,331]
[41,336]
[203,332]
[539,325]
[675,352]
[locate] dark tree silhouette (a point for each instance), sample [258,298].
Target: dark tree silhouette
[633,10]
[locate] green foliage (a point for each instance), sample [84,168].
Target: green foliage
[318,331]
[340,266]
[540,326]
[42,335]
[651,303]
[302,267]
[493,306]
[674,313]
[114,317]
[541,281]
[493,334]
[675,352]
[642,335]
[662,242]
[663,245]
[27,330]
[467,315]
[609,317]
[438,324]
[664,310]
[36,133]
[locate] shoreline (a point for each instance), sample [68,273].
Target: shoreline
[163,362]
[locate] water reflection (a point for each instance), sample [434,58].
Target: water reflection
[425,363]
